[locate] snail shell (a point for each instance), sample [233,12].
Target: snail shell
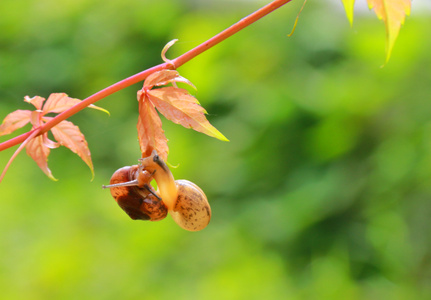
[138,202]
[192,210]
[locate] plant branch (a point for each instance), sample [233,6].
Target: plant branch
[175,63]
[243,23]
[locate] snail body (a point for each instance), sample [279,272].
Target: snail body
[184,200]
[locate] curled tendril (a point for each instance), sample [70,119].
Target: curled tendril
[165,49]
[296,20]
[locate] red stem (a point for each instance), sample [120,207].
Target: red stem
[179,61]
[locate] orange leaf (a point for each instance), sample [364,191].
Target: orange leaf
[393,13]
[65,132]
[36,101]
[182,108]
[69,135]
[175,104]
[39,153]
[164,77]
[36,118]
[150,133]
[59,102]
[14,121]
[160,78]
[48,143]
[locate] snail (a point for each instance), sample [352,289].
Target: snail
[184,200]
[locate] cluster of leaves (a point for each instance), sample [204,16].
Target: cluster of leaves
[175,103]
[65,133]
[392,12]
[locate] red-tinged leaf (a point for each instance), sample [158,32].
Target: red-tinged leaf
[59,102]
[65,132]
[165,77]
[150,133]
[182,108]
[36,101]
[69,135]
[14,121]
[393,13]
[36,118]
[39,153]
[49,143]
[160,78]
[183,80]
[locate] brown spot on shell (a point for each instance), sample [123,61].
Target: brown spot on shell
[191,211]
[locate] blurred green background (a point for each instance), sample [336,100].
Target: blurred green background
[323,191]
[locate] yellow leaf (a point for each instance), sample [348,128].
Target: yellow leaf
[393,13]
[348,6]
